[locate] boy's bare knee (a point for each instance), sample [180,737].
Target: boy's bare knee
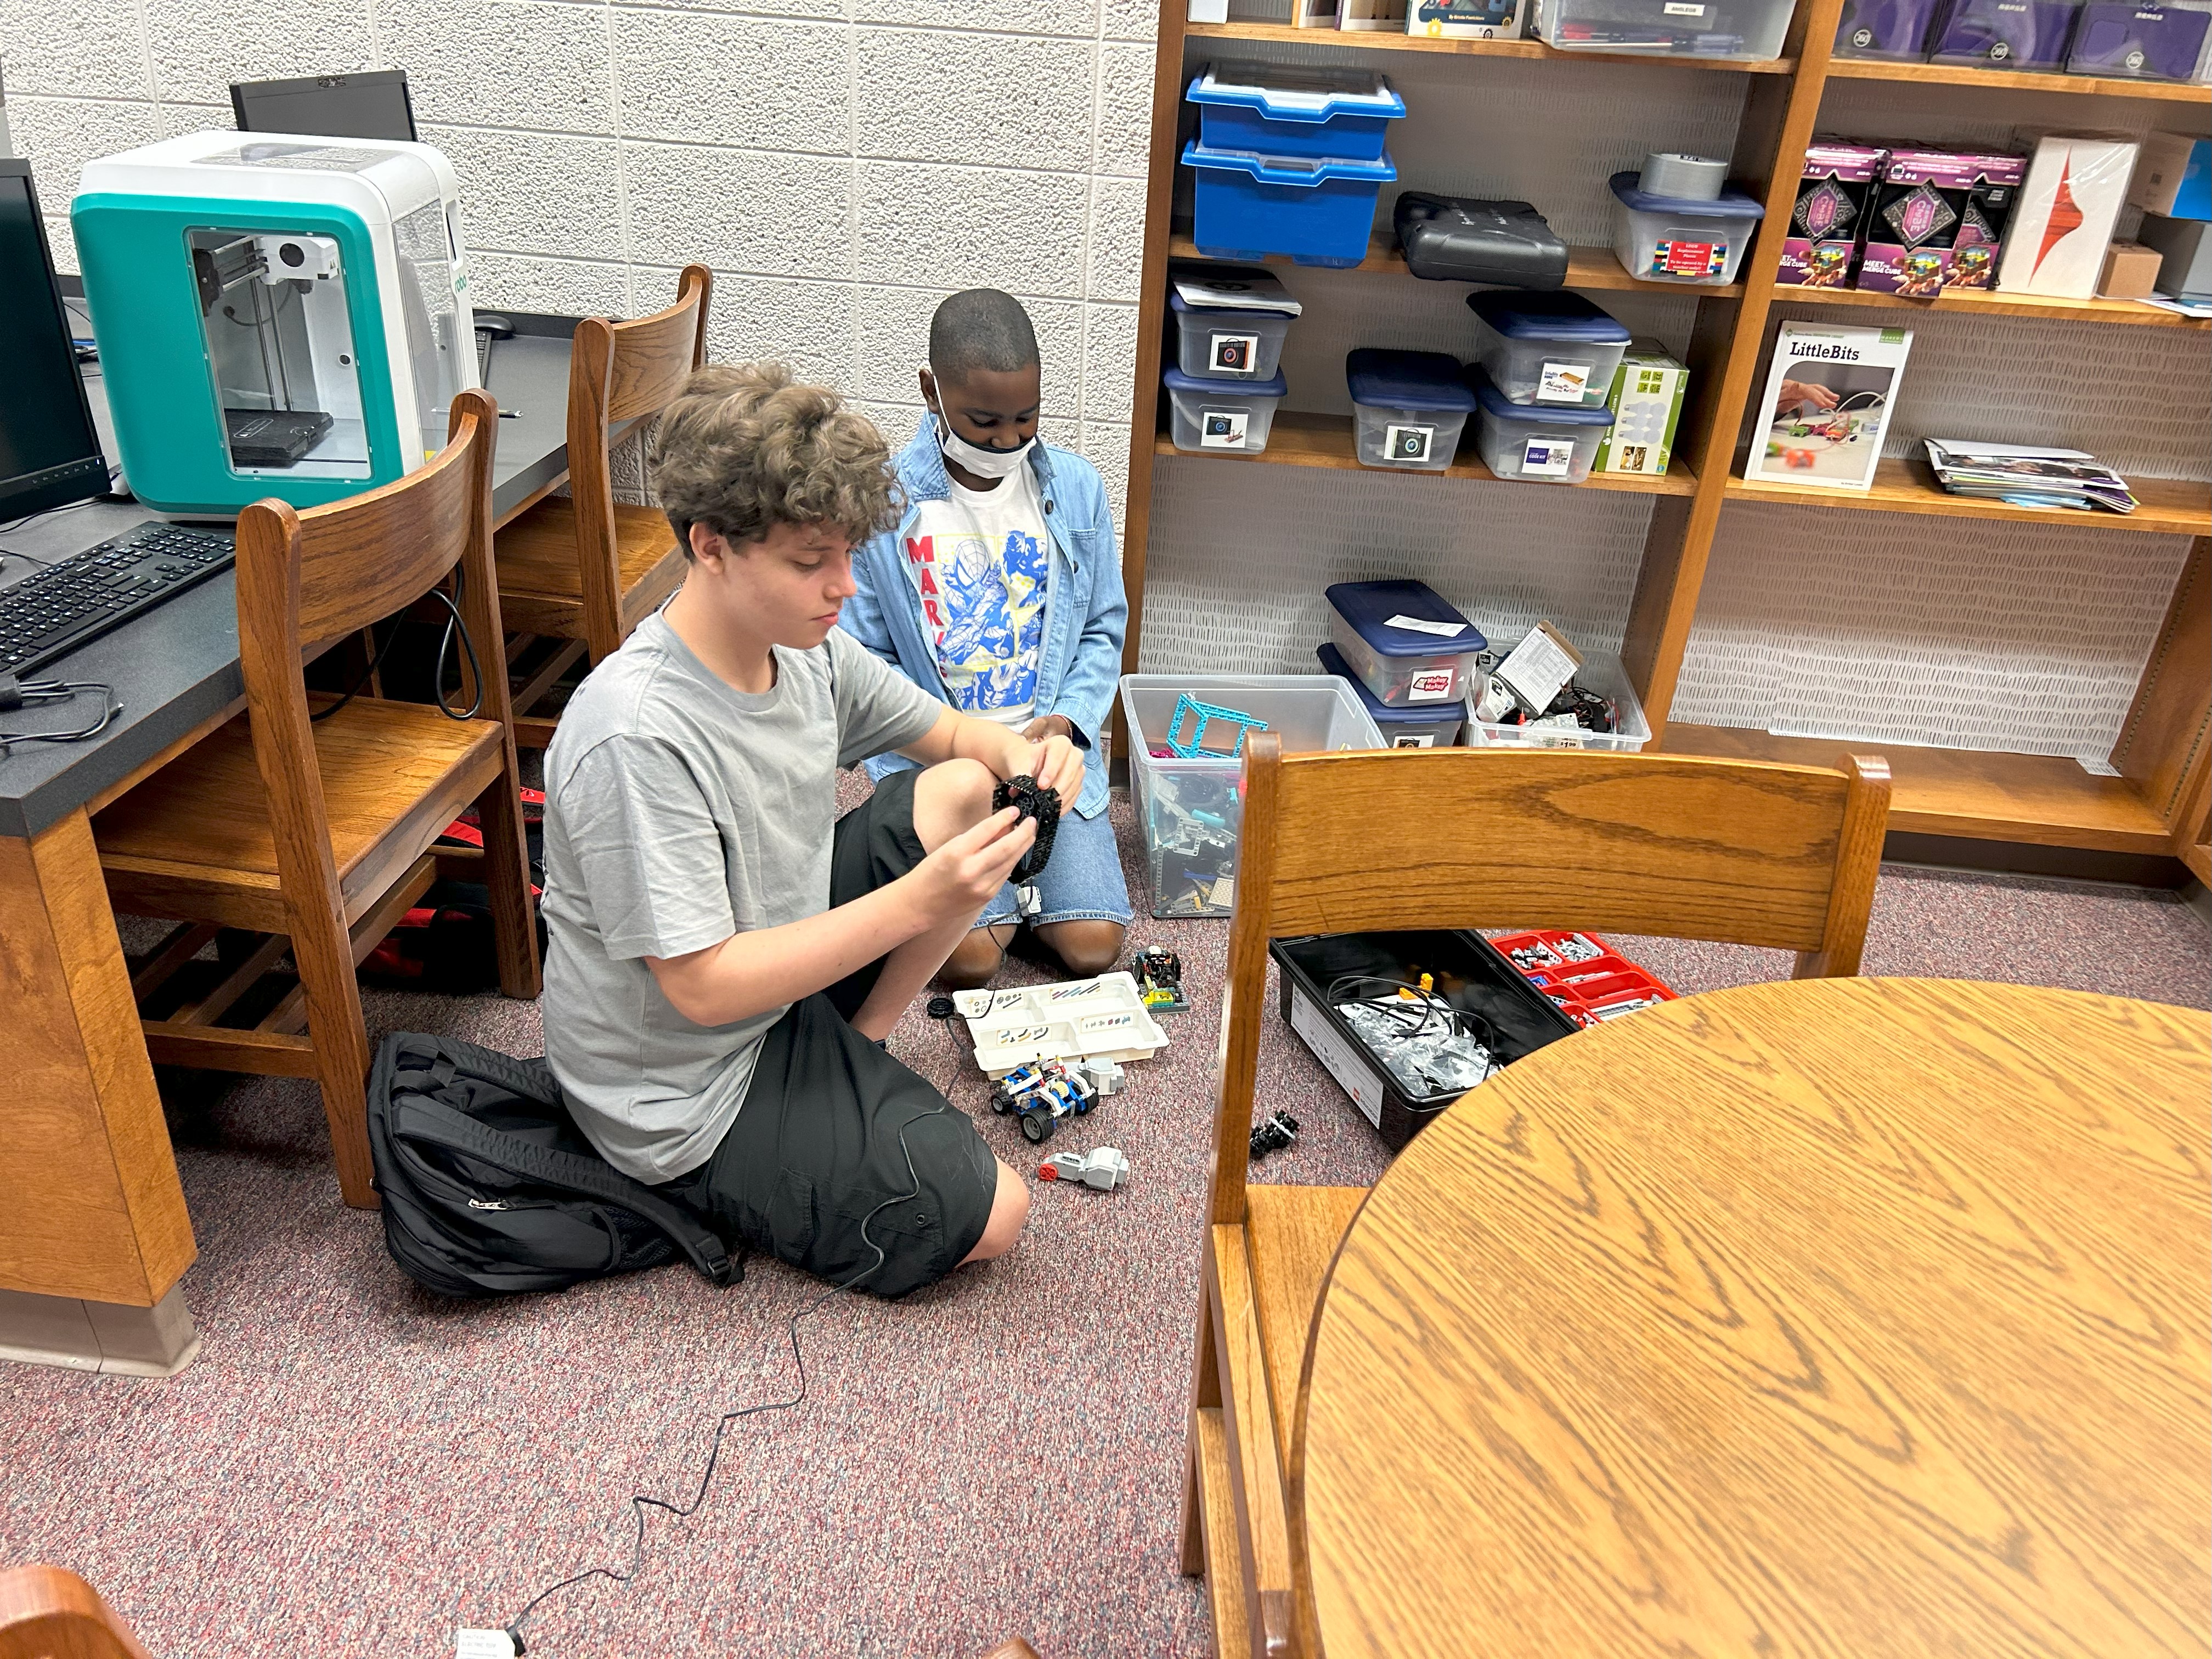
[949,797]
[1010,1213]
[1087,947]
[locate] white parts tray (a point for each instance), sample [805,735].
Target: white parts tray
[1071,1019]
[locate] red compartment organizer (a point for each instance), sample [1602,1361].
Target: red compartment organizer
[1586,977]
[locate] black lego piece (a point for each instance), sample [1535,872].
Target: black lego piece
[1042,807]
[1462,239]
[940,1007]
[1278,1132]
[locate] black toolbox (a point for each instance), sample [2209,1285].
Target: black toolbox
[1470,974]
[1460,238]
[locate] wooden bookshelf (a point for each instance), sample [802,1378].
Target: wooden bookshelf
[1588,268]
[1965,74]
[1296,439]
[1397,40]
[2169,506]
[1976,302]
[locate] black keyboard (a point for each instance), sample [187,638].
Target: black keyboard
[50,614]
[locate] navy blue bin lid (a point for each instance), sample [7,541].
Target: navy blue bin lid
[1282,92]
[1732,203]
[1176,302]
[1418,714]
[1519,314]
[1369,607]
[1275,386]
[1406,379]
[1495,405]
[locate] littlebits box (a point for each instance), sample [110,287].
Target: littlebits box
[1646,403]
[1830,218]
[1938,220]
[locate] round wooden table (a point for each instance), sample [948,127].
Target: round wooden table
[1844,1318]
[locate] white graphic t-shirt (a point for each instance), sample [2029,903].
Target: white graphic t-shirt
[978,564]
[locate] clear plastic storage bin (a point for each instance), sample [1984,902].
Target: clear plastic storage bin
[1405,643]
[1424,726]
[1319,211]
[1288,109]
[1746,29]
[1666,238]
[1535,443]
[1193,810]
[1600,673]
[1222,417]
[1546,347]
[1408,408]
[1228,343]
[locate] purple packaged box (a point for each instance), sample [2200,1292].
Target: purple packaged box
[1937,221]
[2013,34]
[1830,220]
[1885,28]
[2143,42]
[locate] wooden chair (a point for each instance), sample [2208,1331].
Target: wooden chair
[49,1613]
[588,568]
[317,834]
[1742,852]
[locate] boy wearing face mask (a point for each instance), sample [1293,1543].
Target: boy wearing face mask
[1000,591]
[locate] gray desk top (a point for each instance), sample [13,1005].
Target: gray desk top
[178,664]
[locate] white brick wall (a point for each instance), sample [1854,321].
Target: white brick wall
[842,164]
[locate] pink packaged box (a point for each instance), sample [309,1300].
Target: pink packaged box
[1938,220]
[1830,218]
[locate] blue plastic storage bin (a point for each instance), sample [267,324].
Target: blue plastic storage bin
[1551,347]
[1378,628]
[1249,205]
[1424,726]
[1408,408]
[1536,443]
[1279,109]
[1668,239]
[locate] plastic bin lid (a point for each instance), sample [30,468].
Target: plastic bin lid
[1495,405]
[1283,93]
[1369,607]
[1419,713]
[1519,314]
[1288,169]
[1177,303]
[1731,204]
[1406,379]
[1275,386]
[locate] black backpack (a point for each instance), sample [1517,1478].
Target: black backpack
[490,1188]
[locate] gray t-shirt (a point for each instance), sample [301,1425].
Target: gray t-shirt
[679,810]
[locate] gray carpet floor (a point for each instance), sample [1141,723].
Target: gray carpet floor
[356,1467]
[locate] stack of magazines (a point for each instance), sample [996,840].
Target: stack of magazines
[2026,476]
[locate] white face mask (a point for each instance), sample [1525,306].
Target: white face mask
[972,458]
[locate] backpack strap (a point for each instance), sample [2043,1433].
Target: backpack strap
[419,1118]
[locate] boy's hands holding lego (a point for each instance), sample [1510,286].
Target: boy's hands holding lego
[1046,752]
[963,874]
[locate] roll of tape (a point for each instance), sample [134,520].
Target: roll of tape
[1685,178]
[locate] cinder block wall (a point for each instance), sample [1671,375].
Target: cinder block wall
[843,164]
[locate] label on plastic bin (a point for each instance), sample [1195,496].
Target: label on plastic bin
[1414,740]
[1336,1055]
[1429,685]
[1222,428]
[1408,443]
[1563,383]
[1548,458]
[1689,258]
[1233,353]
[1682,8]
[1443,630]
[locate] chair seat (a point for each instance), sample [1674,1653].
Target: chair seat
[1293,1233]
[541,580]
[394,775]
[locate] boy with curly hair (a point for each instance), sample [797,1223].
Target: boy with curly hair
[723,959]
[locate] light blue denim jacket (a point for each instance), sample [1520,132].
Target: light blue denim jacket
[1085,614]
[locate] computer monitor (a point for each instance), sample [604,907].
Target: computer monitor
[48,448]
[373,104]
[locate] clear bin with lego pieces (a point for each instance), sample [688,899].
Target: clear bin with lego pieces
[1185,769]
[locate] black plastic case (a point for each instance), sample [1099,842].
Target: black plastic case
[1459,238]
[1470,974]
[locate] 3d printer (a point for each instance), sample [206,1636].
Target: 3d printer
[276,316]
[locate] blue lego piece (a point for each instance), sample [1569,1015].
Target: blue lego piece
[1202,714]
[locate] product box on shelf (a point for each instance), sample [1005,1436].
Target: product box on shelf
[1646,402]
[2076,186]
[1938,221]
[2007,34]
[1828,395]
[1830,218]
[1886,29]
[2174,176]
[1464,19]
[2185,270]
[2130,271]
[2133,39]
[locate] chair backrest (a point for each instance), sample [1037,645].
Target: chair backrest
[617,372]
[1739,852]
[49,1613]
[306,579]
